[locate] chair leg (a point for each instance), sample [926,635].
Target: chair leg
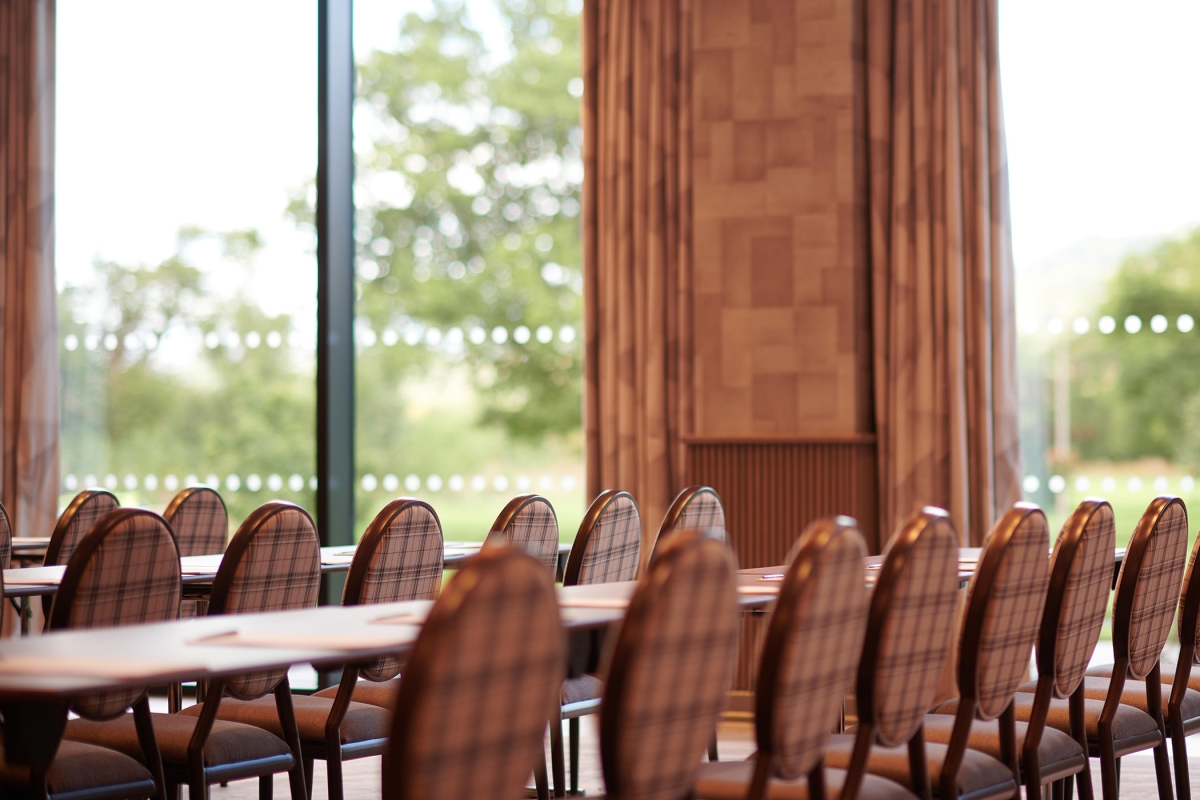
[307,770]
[333,769]
[556,758]
[1179,745]
[573,743]
[712,748]
[539,778]
[266,787]
[1110,767]
[1162,764]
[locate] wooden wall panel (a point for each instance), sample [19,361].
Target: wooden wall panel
[772,489]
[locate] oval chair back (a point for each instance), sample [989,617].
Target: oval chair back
[910,626]
[273,563]
[696,507]
[480,684]
[670,670]
[528,523]
[75,521]
[200,521]
[810,654]
[398,558]
[609,543]
[124,572]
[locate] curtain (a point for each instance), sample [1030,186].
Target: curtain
[637,239]
[941,263]
[29,476]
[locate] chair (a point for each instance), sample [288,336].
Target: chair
[1143,609]
[198,517]
[85,771]
[6,535]
[607,549]
[1080,573]
[398,558]
[670,670]
[74,523]
[696,507]
[483,676]
[273,563]
[197,752]
[1003,610]
[812,646]
[528,522]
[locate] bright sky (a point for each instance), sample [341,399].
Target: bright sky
[204,113]
[1102,119]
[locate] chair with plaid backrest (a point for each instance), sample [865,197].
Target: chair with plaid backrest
[483,676]
[126,571]
[696,507]
[398,558]
[198,517]
[670,668]
[73,524]
[1125,716]
[813,640]
[1003,609]
[273,563]
[1080,574]
[1183,700]
[607,549]
[528,522]
[201,751]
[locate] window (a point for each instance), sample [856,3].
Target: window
[186,288]
[1107,250]
[468,329]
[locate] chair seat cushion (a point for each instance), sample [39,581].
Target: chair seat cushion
[79,767]
[580,688]
[730,780]
[1057,752]
[1134,694]
[381,694]
[362,722]
[228,743]
[981,776]
[1133,730]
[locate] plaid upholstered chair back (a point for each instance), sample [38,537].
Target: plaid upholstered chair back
[670,670]
[124,572]
[1004,609]
[528,523]
[398,558]
[6,534]
[609,543]
[273,563]
[812,646]
[483,678]
[1080,574]
[1189,599]
[75,521]
[198,517]
[909,626]
[1149,583]
[697,507]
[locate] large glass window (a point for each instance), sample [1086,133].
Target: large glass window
[468,171]
[186,288]
[1107,246]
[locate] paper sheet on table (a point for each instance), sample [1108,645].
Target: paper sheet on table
[337,559]
[41,580]
[299,641]
[90,667]
[593,602]
[401,619]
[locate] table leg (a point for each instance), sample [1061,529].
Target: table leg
[26,614]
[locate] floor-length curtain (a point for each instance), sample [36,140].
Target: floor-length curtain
[28,340]
[637,233]
[941,262]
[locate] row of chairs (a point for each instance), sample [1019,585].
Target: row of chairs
[398,558]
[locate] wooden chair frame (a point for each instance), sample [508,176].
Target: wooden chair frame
[1179,728]
[678,506]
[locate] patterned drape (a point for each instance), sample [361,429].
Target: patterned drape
[637,239]
[28,340]
[941,262]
